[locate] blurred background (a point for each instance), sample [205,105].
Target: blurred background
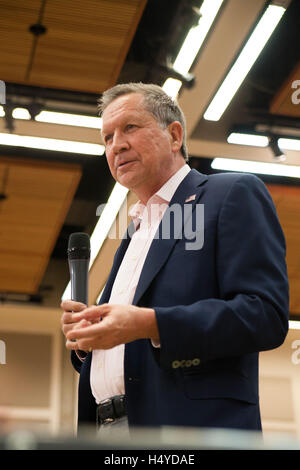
[234,67]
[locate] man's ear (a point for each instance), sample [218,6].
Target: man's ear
[176,134]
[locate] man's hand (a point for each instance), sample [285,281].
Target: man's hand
[108,325]
[69,319]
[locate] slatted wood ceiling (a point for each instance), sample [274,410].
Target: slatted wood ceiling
[83,49]
[38,197]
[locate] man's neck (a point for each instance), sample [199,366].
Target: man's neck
[144,195]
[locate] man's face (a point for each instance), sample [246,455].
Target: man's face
[140,153]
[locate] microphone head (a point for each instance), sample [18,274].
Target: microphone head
[79,246]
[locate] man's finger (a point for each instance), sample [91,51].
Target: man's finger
[82,345]
[72,345]
[85,332]
[66,329]
[67,318]
[72,306]
[91,313]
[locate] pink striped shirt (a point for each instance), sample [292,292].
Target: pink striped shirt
[107,369]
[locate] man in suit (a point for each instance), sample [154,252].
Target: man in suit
[197,288]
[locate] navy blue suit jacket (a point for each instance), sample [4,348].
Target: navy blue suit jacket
[217,306]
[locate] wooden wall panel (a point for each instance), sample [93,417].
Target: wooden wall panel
[287,201]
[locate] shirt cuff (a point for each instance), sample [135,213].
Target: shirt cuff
[155,344]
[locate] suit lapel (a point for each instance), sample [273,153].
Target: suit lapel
[193,184]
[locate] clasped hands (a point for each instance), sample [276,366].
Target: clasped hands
[106,326]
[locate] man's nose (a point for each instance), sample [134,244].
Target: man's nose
[120,143]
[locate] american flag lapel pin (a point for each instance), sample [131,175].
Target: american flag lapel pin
[191,198]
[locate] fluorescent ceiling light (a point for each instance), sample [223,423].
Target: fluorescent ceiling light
[276,169]
[105,222]
[196,36]
[52,117]
[248,139]
[107,217]
[21,113]
[51,144]
[69,119]
[262,141]
[244,62]
[294,325]
[192,44]
[289,144]
[172,87]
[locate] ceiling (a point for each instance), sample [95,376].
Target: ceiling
[60,55]
[69,45]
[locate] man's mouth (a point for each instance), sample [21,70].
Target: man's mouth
[125,164]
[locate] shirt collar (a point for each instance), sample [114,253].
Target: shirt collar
[163,195]
[167,191]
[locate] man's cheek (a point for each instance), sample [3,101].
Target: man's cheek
[111,167]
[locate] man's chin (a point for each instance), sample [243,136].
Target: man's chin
[128,179]
[126,182]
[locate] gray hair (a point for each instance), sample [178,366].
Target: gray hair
[162,107]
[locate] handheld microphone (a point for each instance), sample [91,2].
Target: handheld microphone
[79,251]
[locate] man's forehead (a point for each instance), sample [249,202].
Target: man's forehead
[125,106]
[128,101]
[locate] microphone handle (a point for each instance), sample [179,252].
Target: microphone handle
[79,279]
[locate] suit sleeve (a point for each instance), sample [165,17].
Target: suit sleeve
[251,313]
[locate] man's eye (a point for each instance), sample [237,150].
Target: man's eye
[130,126]
[107,138]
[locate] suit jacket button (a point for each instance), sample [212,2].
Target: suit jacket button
[196,361]
[175,364]
[188,363]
